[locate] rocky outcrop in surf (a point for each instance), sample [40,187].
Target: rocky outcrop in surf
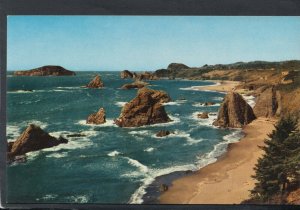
[32,139]
[163,133]
[97,118]
[203,115]
[145,109]
[136,84]
[46,71]
[234,112]
[126,74]
[96,82]
[268,103]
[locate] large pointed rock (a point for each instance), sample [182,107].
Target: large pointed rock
[126,74]
[145,109]
[96,82]
[234,112]
[32,139]
[97,118]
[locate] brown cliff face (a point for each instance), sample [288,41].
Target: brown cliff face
[145,109]
[97,118]
[96,82]
[126,74]
[268,103]
[32,139]
[46,71]
[234,112]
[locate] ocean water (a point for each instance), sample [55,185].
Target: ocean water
[109,164]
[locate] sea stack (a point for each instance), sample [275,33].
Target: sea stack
[145,109]
[136,84]
[46,71]
[96,82]
[32,139]
[97,118]
[234,112]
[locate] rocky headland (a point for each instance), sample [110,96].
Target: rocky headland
[32,139]
[126,74]
[145,109]
[46,71]
[96,82]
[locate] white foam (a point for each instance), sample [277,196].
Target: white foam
[141,132]
[57,155]
[79,198]
[219,148]
[188,137]
[120,103]
[21,91]
[249,99]
[108,123]
[48,197]
[69,87]
[113,153]
[218,98]
[137,196]
[137,164]
[174,103]
[149,149]
[12,132]
[42,125]
[203,105]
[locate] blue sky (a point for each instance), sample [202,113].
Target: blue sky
[148,42]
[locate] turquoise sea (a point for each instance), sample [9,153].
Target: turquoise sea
[109,164]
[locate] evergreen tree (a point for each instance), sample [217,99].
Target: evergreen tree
[280,161]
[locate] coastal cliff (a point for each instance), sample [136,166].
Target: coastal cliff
[46,71]
[145,109]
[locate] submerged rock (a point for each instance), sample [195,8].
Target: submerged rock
[136,84]
[234,112]
[145,109]
[32,139]
[46,71]
[97,118]
[76,135]
[163,133]
[209,103]
[96,82]
[203,115]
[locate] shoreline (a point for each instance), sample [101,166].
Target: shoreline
[228,180]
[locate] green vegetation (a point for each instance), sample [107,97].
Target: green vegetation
[279,167]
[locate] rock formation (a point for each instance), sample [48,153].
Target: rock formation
[234,112]
[203,115]
[97,118]
[46,71]
[145,109]
[32,139]
[268,103]
[96,82]
[136,84]
[163,133]
[126,74]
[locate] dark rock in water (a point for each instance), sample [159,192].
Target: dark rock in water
[46,71]
[126,74]
[136,84]
[234,112]
[96,82]
[163,187]
[145,109]
[97,118]
[9,145]
[203,115]
[163,133]
[76,135]
[32,139]
[209,103]
[268,103]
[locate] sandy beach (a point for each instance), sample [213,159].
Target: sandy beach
[228,180]
[222,86]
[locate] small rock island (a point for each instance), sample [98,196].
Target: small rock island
[145,109]
[46,71]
